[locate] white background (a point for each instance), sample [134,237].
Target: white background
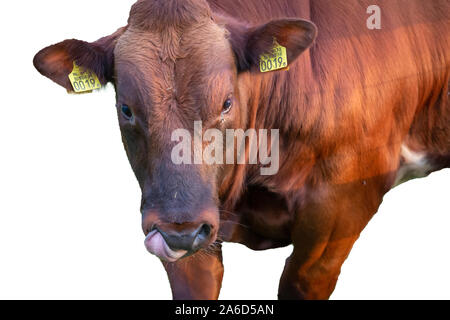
[69,202]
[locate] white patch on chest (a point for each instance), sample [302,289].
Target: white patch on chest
[413,165]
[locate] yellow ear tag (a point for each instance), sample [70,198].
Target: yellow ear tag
[83,80]
[275,60]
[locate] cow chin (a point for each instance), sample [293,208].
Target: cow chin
[155,244]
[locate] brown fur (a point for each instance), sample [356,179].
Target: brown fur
[344,109]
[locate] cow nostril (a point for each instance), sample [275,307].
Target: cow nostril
[151,228]
[202,237]
[205,230]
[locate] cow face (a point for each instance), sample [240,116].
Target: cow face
[174,65]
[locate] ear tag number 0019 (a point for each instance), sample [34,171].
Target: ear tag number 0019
[275,60]
[83,80]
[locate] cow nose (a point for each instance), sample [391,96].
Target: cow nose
[190,239]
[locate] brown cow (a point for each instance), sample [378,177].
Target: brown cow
[358,111]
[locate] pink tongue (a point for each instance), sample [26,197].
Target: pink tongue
[155,244]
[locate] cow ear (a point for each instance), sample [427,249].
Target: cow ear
[56,62]
[296,35]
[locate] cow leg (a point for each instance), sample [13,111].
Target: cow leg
[323,235]
[314,277]
[198,277]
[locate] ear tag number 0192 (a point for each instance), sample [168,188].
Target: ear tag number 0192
[83,80]
[275,60]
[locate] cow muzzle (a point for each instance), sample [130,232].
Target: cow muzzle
[171,243]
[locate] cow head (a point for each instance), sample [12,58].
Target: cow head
[173,64]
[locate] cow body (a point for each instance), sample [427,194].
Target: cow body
[362,112]
[359,112]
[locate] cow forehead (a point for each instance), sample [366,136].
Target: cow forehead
[160,15]
[202,39]
[170,62]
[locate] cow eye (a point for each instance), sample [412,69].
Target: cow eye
[126,111]
[227,105]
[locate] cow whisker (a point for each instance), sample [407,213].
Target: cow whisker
[229,212]
[236,223]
